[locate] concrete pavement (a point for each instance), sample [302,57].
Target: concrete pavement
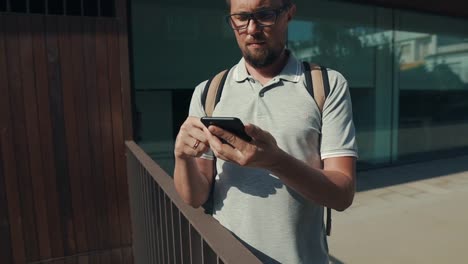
[415,213]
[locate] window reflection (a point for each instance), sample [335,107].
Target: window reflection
[417,70]
[433,88]
[351,51]
[408,72]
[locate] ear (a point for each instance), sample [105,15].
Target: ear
[291,12]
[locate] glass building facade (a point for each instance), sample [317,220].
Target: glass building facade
[407,71]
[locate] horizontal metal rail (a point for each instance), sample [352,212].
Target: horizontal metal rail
[165,229]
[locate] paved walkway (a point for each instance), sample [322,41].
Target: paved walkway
[410,214]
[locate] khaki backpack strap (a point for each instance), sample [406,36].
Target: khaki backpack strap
[318,85]
[213,91]
[210,97]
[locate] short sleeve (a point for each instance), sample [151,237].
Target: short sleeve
[338,133]
[196,109]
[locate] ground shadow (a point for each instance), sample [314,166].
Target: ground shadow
[334,260]
[384,177]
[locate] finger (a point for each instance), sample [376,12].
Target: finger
[216,144]
[253,131]
[190,141]
[196,122]
[213,141]
[221,156]
[227,152]
[229,137]
[202,147]
[195,152]
[195,145]
[194,127]
[259,135]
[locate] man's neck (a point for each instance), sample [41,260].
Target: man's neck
[265,74]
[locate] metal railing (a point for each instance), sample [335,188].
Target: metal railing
[165,229]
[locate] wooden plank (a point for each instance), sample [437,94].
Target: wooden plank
[127,256]
[102,58]
[121,14]
[59,140]
[71,260]
[97,185]
[105,257]
[20,138]
[10,189]
[33,137]
[84,141]
[38,33]
[118,129]
[75,216]
[5,240]
[116,255]
[83,259]
[95,259]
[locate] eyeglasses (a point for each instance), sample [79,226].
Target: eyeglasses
[263,18]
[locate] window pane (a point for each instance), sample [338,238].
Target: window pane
[348,38]
[107,8]
[171,43]
[37,6]
[18,6]
[433,85]
[3,6]
[156,137]
[176,46]
[55,7]
[74,8]
[90,7]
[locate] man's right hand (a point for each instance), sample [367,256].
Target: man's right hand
[191,141]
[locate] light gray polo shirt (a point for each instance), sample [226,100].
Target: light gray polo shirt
[274,221]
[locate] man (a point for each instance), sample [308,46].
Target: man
[270,192]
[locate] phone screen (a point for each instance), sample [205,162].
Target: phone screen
[231,124]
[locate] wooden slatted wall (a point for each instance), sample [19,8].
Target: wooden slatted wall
[64,117]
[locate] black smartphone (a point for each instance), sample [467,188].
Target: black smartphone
[231,124]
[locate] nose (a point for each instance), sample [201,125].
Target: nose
[253,27]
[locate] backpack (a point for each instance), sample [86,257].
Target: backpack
[317,85]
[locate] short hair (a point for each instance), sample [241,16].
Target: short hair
[285,2]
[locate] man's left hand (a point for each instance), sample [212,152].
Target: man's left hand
[261,152]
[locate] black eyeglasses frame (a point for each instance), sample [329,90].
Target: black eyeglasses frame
[277,13]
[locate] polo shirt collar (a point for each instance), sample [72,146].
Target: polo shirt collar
[291,72]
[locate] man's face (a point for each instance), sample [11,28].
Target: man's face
[261,46]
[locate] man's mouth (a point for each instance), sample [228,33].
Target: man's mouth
[256,44]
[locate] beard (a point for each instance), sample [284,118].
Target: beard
[261,57]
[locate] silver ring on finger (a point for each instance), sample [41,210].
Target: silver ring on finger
[196,144]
